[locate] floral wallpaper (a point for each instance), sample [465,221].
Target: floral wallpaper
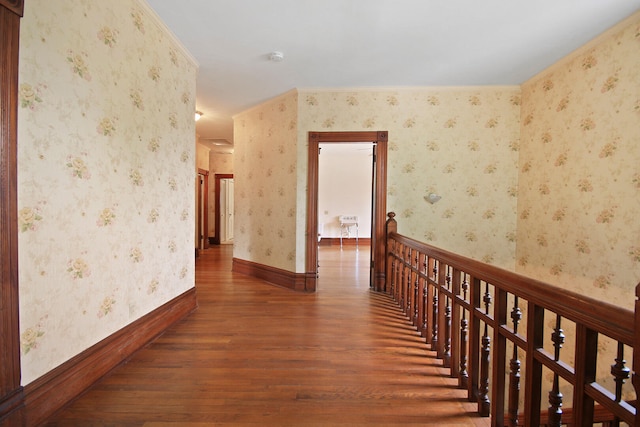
[266,184]
[202,156]
[514,166]
[542,179]
[461,143]
[219,163]
[578,203]
[106,158]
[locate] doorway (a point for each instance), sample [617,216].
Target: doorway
[344,194]
[202,209]
[223,181]
[379,202]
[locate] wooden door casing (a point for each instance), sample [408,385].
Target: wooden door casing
[379,138]
[11,392]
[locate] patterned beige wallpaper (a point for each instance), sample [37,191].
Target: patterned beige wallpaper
[461,143]
[105,227]
[579,195]
[265,183]
[202,156]
[514,166]
[550,168]
[219,163]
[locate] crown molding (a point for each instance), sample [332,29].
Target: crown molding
[160,23]
[620,26]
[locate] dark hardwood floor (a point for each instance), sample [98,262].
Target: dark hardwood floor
[256,354]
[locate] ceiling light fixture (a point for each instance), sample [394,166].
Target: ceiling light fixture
[276,56]
[198,115]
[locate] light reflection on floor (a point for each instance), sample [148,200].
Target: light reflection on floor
[347,265]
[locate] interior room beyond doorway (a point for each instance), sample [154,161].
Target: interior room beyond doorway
[344,194]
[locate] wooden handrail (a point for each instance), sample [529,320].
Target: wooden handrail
[484,321]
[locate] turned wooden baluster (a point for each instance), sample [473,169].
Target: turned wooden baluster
[408,286]
[402,278]
[446,357]
[514,365]
[391,249]
[389,269]
[620,374]
[484,404]
[396,271]
[463,375]
[555,397]
[635,378]
[434,310]
[425,297]
[403,272]
[416,284]
[399,272]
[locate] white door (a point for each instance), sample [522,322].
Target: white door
[226,210]
[201,208]
[230,207]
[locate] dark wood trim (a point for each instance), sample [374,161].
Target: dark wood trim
[204,233]
[635,376]
[52,391]
[11,398]
[12,409]
[380,214]
[15,6]
[380,138]
[216,232]
[277,276]
[311,232]
[335,241]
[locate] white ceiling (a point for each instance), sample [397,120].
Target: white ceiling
[365,43]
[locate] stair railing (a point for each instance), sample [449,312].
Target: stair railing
[508,338]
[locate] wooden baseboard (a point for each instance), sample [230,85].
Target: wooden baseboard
[12,409]
[335,241]
[51,392]
[296,281]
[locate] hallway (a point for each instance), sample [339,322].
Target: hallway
[257,354]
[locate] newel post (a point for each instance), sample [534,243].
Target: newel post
[390,227]
[635,379]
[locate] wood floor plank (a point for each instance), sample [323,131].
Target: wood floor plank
[258,354]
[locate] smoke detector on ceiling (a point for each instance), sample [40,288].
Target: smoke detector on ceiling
[276,56]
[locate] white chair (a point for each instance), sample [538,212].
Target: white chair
[346,222]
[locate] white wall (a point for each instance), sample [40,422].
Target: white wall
[344,187]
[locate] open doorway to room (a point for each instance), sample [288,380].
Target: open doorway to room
[202,203]
[344,194]
[344,214]
[378,142]
[224,208]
